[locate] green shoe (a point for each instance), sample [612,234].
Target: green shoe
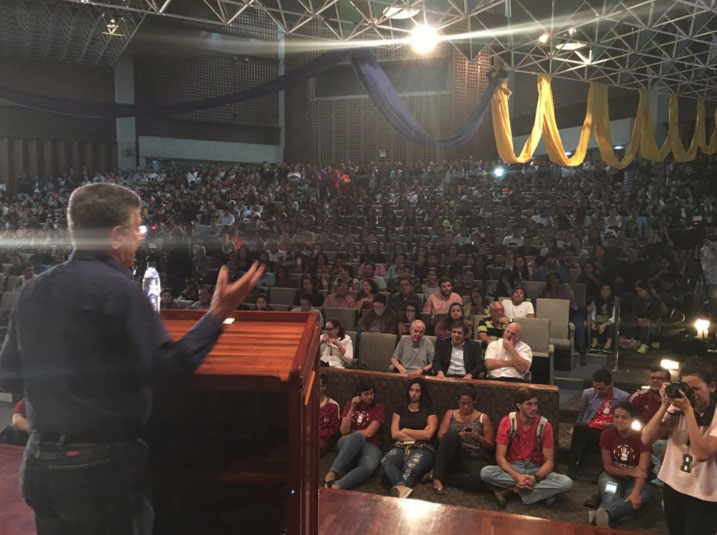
[642,349]
[655,345]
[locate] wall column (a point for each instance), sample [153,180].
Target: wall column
[126,128]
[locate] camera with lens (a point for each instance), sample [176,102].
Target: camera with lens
[673,391]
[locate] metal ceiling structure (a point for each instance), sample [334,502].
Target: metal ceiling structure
[664,45]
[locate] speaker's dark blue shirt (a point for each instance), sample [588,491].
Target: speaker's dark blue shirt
[84,345]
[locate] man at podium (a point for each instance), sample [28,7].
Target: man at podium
[84,346]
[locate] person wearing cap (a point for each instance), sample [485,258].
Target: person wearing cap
[517,306]
[379,318]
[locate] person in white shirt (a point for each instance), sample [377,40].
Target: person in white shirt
[517,306]
[509,358]
[336,349]
[689,468]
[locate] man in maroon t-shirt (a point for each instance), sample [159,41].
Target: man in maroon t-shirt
[649,401]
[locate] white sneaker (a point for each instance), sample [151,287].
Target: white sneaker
[591,517]
[602,518]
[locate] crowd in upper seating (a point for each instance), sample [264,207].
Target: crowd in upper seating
[638,234]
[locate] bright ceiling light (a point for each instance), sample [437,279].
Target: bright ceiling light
[424,38]
[670,364]
[400,13]
[499,172]
[570,45]
[618,147]
[543,39]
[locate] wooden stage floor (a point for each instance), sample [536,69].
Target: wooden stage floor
[340,512]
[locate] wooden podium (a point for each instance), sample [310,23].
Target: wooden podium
[236,444]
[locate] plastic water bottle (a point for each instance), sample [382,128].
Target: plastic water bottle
[151,285]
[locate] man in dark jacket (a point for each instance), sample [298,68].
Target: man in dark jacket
[459,356]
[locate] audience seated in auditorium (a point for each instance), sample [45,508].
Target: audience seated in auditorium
[525,456]
[414,353]
[28,275]
[369,290]
[166,299]
[551,265]
[492,328]
[602,320]
[403,297]
[475,305]
[412,428]
[410,314]
[647,311]
[517,306]
[204,300]
[336,349]
[379,318]
[368,273]
[594,414]
[458,356]
[305,305]
[261,303]
[340,297]
[509,359]
[465,445]
[440,303]
[455,315]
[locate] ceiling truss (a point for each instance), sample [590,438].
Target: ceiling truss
[663,45]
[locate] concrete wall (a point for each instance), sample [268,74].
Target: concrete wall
[198,150]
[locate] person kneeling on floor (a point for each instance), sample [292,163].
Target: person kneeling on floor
[524,453]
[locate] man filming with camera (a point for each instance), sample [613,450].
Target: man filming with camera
[689,469]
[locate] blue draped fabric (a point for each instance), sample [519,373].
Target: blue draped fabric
[367,69]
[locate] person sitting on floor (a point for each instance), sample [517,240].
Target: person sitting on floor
[509,359]
[466,445]
[524,456]
[360,440]
[414,354]
[412,427]
[18,431]
[623,483]
[458,356]
[594,415]
[329,420]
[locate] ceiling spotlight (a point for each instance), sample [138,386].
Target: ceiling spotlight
[112,27]
[400,13]
[499,172]
[669,364]
[618,147]
[570,46]
[424,38]
[543,39]
[572,31]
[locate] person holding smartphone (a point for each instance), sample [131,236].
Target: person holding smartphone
[689,469]
[466,445]
[626,460]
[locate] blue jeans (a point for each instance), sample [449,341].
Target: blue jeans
[351,448]
[614,502]
[551,485]
[86,489]
[402,469]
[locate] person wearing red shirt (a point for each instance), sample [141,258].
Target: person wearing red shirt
[328,417]
[623,483]
[360,424]
[648,403]
[525,460]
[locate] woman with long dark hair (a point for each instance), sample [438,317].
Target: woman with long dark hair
[412,427]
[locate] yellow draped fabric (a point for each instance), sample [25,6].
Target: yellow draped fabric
[597,123]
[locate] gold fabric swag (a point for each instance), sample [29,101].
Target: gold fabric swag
[597,123]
